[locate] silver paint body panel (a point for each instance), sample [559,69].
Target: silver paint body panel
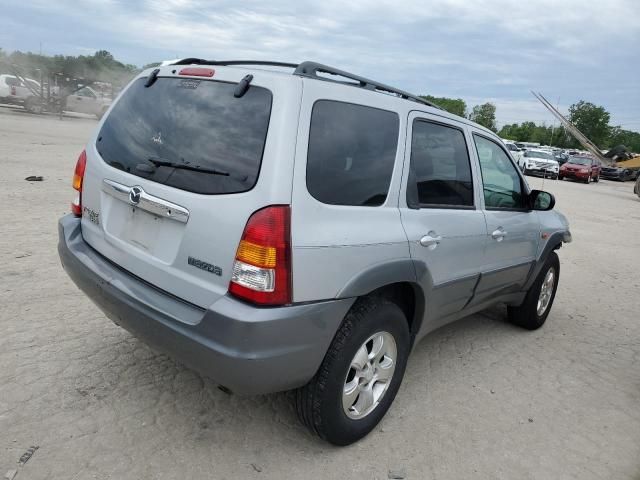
[338,252]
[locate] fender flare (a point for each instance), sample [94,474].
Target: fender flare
[380,275]
[554,242]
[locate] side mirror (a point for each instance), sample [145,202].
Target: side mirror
[541,200]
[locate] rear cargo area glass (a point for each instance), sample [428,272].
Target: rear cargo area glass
[191,122]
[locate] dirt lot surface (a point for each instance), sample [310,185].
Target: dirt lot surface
[481,398]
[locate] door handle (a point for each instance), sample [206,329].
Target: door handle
[498,234]
[431,240]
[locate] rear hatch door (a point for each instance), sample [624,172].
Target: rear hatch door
[177,168]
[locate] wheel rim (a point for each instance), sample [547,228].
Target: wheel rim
[369,375]
[546,291]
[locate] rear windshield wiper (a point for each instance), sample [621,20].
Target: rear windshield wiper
[181,166]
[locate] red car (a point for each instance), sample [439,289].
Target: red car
[585,169]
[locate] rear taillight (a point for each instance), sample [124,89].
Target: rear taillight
[78,177]
[13,90]
[262,268]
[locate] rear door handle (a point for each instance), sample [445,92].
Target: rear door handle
[431,240]
[498,234]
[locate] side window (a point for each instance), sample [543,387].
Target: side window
[84,92]
[440,171]
[501,183]
[11,81]
[352,150]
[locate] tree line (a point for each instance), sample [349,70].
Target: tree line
[101,66]
[592,120]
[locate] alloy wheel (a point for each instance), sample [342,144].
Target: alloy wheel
[546,292]
[369,375]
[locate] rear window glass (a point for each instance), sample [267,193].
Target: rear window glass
[188,133]
[352,149]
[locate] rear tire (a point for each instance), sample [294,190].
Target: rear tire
[597,179]
[323,404]
[532,314]
[560,177]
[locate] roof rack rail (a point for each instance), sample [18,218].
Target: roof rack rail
[311,70]
[201,61]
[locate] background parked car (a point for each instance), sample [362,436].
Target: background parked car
[514,150]
[618,173]
[539,162]
[86,100]
[14,91]
[560,156]
[585,169]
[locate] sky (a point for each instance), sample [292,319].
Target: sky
[478,50]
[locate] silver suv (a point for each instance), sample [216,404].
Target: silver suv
[277,230]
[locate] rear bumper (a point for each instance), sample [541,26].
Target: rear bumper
[246,349]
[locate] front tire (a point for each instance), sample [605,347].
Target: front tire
[358,378]
[537,303]
[33,105]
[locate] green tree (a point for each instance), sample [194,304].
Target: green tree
[83,69]
[618,136]
[541,134]
[591,120]
[104,55]
[485,115]
[509,131]
[530,132]
[457,106]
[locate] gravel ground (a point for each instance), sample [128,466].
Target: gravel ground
[480,399]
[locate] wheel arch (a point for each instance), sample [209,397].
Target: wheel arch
[395,281]
[554,242]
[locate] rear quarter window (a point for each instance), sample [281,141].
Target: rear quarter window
[352,150]
[217,139]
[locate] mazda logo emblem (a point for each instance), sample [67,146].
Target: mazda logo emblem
[134,195]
